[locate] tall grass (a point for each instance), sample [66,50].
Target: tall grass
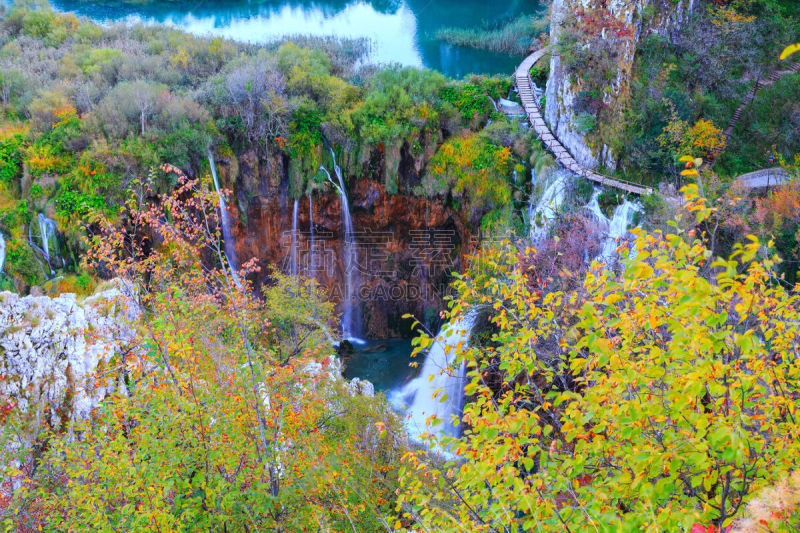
[514,37]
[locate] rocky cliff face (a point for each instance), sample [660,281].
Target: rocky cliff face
[615,28]
[58,356]
[408,246]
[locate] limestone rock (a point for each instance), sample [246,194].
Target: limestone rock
[642,18]
[361,387]
[58,356]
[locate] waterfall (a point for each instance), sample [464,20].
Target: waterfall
[351,319]
[594,208]
[2,252]
[543,212]
[437,375]
[293,256]
[48,240]
[546,209]
[227,235]
[48,233]
[310,261]
[617,229]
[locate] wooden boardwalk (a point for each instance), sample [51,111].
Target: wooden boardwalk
[564,158]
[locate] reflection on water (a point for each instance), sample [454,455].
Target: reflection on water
[384,363]
[401,31]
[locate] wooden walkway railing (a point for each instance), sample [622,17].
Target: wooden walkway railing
[564,158]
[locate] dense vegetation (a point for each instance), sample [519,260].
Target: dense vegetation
[89,111]
[652,399]
[228,420]
[656,393]
[686,86]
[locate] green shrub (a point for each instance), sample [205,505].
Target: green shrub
[10,159]
[96,60]
[70,203]
[585,122]
[21,262]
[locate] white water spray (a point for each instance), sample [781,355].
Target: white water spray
[48,232]
[546,209]
[293,256]
[617,229]
[351,319]
[227,234]
[439,377]
[48,241]
[310,262]
[594,208]
[2,252]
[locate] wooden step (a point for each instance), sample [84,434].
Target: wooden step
[529,95]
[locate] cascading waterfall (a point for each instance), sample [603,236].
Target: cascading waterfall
[537,91]
[594,208]
[48,232]
[2,252]
[617,229]
[293,256]
[227,235]
[438,374]
[48,241]
[310,261]
[351,319]
[546,209]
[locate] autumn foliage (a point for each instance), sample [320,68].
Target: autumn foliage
[230,419]
[652,399]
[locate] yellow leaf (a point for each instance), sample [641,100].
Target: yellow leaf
[611,299]
[689,172]
[789,50]
[642,271]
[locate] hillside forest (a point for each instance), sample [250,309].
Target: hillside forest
[281,286]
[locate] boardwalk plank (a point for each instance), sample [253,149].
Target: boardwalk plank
[564,158]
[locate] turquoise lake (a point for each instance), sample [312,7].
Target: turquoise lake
[400,31]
